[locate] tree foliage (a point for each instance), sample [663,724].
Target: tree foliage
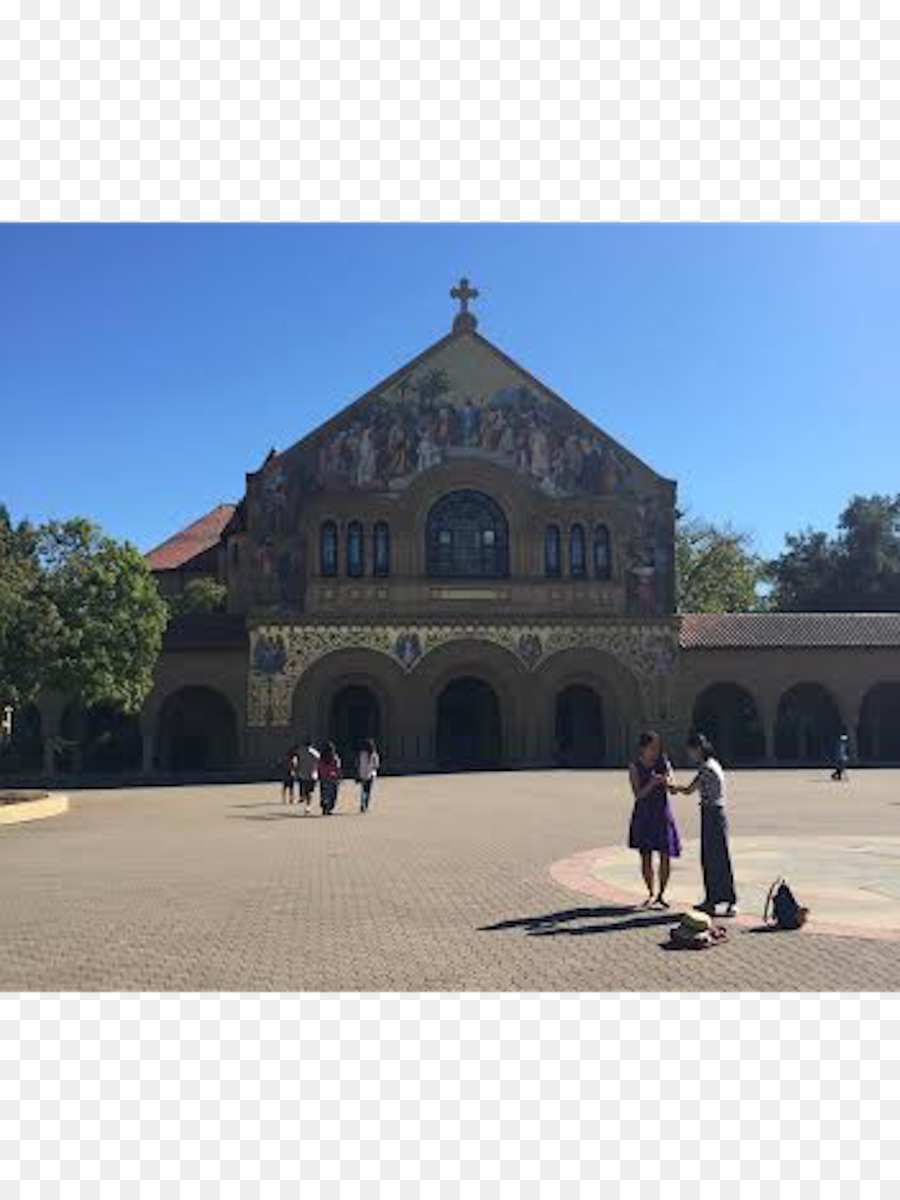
[29,623]
[858,570]
[79,613]
[717,570]
[201,595]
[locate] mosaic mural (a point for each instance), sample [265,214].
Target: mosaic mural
[280,654]
[425,420]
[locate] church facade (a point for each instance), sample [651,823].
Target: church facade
[465,568]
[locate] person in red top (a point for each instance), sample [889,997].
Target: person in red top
[329,778]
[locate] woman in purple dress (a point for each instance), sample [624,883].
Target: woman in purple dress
[653,828]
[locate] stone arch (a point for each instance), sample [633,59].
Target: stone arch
[621,700]
[472,658]
[513,493]
[808,724]
[319,689]
[196,730]
[729,715]
[468,725]
[878,735]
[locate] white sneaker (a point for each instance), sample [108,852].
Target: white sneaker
[731,911]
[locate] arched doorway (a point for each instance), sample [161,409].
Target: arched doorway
[727,714]
[808,724]
[580,739]
[354,716]
[197,731]
[879,724]
[469,733]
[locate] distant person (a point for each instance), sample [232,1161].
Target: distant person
[366,772]
[715,857]
[841,759]
[308,772]
[329,778]
[291,775]
[653,829]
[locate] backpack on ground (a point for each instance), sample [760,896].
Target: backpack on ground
[782,910]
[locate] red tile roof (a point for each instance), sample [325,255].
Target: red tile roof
[182,547]
[788,631]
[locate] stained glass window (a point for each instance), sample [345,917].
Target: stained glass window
[577,563]
[381,557]
[602,553]
[467,537]
[328,549]
[355,553]
[552,556]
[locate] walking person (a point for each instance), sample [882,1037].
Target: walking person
[715,857]
[653,829]
[367,767]
[291,775]
[308,772]
[329,778]
[841,759]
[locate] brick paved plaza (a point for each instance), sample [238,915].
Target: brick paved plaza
[446,884]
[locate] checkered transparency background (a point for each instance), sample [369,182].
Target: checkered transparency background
[448,110]
[450,1096]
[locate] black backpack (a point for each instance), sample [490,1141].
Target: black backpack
[782,909]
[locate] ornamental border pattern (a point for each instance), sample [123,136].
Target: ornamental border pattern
[280,655]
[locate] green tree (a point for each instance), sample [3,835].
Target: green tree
[29,623]
[201,595]
[111,615]
[858,570]
[79,613]
[716,569]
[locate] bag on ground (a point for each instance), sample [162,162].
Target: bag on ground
[782,910]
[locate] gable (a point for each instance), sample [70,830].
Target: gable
[462,398]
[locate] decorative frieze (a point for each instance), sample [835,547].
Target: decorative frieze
[281,654]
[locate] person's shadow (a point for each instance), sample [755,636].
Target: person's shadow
[579,922]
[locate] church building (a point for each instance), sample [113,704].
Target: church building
[462,566]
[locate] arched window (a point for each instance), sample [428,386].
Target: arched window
[355,550]
[328,549]
[467,537]
[552,552]
[577,564]
[381,547]
[602,553]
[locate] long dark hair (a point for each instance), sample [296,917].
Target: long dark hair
[368,746]
[329,752]
[700,742]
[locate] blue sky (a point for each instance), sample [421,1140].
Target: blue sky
[145,369]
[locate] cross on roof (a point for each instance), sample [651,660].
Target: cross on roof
[464,320]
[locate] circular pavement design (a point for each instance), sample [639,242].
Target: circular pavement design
[850,884]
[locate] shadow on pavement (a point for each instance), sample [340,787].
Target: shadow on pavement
[564,924]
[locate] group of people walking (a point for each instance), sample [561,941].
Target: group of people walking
[653,829]
[307,766]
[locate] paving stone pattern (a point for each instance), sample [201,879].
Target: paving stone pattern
[444,885]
